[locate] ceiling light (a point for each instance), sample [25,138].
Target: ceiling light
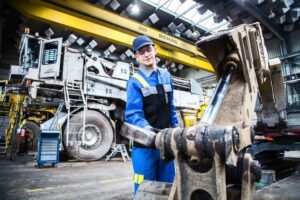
[93,44]
[114,5]
[90,46]
[135,9]
[181,27]
[111,48]
[49,32]
[123,56]
[71,39]
[180,66]
[196,34]
[80,41]
[153,18]
[172,26]
[106,53]
[188,33]
[89,50]
[129,53]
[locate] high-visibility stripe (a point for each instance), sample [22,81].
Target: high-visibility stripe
[138,178]
[141,179]
[141,80]
[135,179]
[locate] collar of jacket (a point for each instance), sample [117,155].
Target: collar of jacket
[146,71]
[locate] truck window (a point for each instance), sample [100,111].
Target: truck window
[29,55]
[33,51]
[50,53]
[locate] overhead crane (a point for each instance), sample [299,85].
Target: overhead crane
[83,17]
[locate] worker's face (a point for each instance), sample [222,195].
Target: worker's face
[146,56]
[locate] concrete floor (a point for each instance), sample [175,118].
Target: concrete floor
[20,179]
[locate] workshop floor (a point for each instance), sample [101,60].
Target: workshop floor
[20,179]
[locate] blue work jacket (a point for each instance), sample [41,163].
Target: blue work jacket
[140,92]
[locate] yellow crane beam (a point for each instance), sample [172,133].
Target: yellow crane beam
[83,17]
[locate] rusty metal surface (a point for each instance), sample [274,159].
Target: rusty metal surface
[244,47]
[203,153]
[200,156]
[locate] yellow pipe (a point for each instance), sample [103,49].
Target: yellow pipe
[53,14]
[16,107]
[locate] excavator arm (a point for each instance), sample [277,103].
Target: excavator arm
[212,159]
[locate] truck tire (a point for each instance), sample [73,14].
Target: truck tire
[34,130]
[97,140]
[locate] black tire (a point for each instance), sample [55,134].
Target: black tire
[98,136]
[33,137]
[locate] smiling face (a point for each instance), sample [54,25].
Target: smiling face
[146,56]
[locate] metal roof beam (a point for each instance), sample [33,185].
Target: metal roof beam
[160,6]
[54,14]
[173,14]
[85,8]
[255,12]
[187,10]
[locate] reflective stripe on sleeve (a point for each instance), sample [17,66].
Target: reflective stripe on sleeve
[138,178]
[141,80]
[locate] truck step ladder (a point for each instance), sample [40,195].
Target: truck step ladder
[74,100]
[120,148]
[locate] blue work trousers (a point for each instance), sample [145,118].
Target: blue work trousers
[148,165]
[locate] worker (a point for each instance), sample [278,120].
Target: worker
[150,105]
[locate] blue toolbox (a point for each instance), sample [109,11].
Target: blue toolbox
[48,148]
[49,142]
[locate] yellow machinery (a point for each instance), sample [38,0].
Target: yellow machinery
[203,107]
[15,113]
[3,104]
[12,105]
[32,120]
[191,118]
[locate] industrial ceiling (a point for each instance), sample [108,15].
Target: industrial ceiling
[184,19]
